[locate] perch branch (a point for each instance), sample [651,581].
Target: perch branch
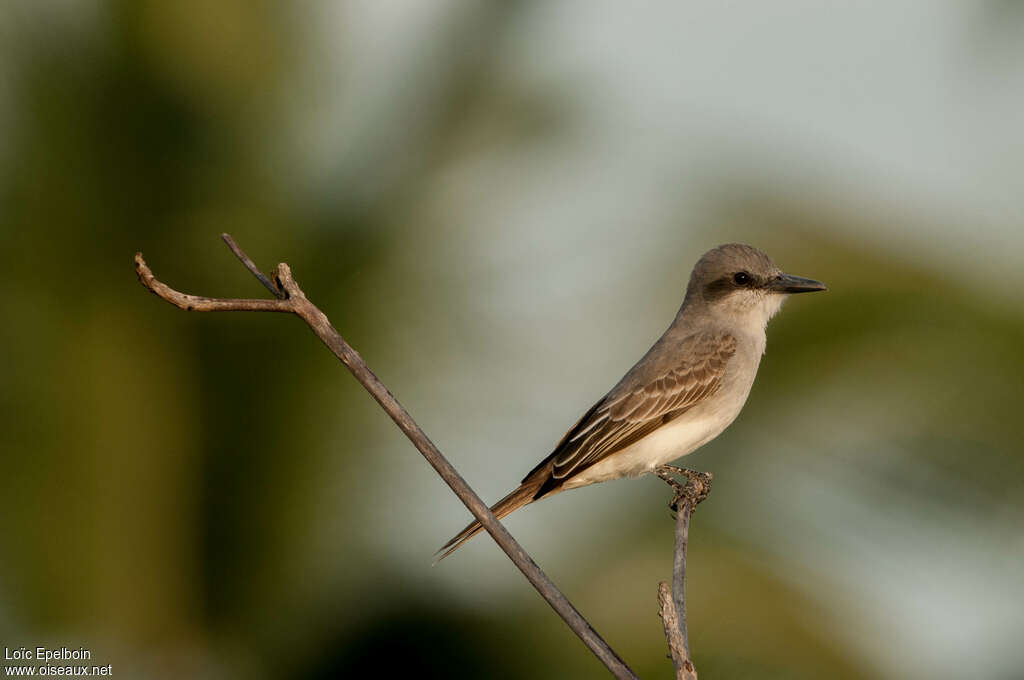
[676,641]
[291,299]
[672,602]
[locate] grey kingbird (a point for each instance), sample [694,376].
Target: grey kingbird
[689,386]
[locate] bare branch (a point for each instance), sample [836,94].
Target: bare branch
[679,573]
[195,303]
[673,633]
[295,301]
[672,604]
[251,266]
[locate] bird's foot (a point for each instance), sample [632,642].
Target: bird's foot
[696,488]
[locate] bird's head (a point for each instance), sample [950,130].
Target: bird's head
[739,283]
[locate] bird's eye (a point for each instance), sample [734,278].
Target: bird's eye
[741,278]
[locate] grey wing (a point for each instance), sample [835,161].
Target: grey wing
[642,403]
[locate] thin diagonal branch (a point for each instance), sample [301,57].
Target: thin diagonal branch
[295,302]
[251,266]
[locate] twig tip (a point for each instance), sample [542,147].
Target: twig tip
[142,269]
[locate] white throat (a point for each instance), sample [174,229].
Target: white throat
[749,311]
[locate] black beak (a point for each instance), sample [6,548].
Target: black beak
[787,283]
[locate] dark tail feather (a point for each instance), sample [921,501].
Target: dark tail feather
[524,495]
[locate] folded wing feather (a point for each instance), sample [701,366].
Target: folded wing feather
[642,402]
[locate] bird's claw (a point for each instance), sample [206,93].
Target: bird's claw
[695,490]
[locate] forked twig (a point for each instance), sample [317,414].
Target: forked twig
[251,266]
[291,299]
